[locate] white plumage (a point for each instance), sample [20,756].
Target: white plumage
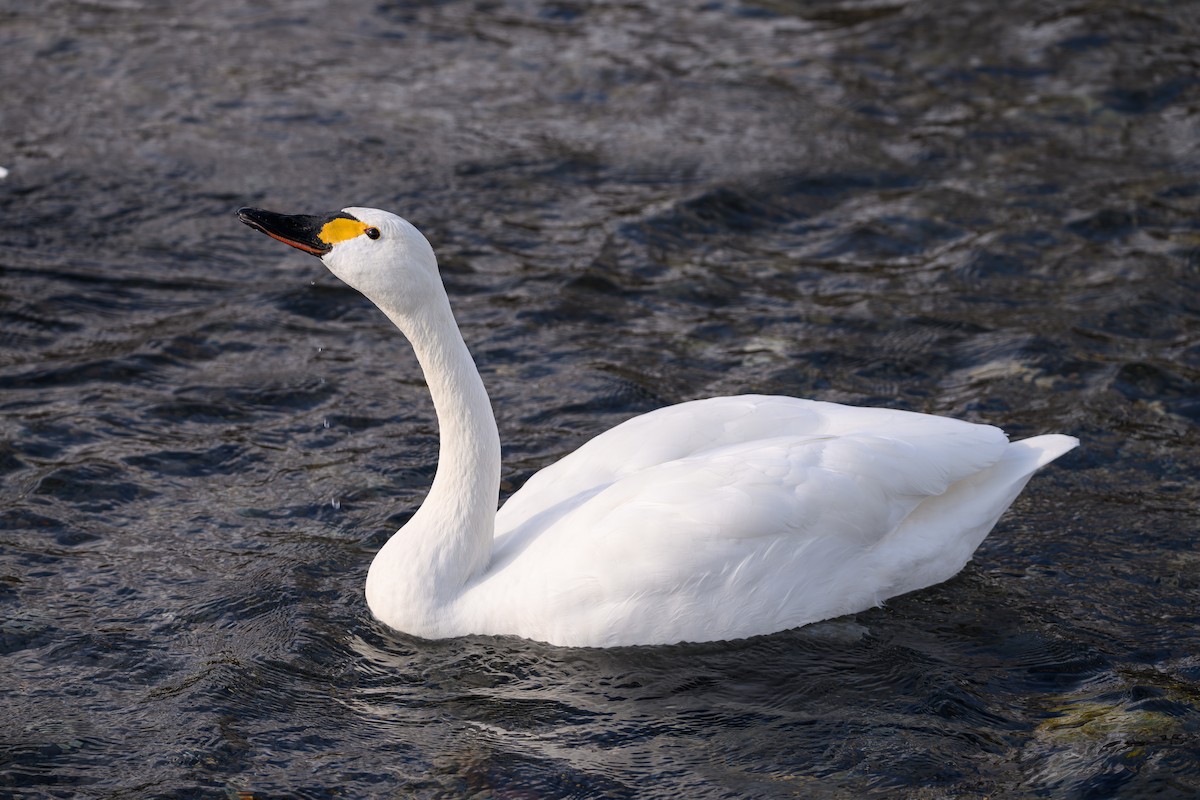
[714,519]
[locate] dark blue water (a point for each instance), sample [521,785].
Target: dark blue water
[984,210]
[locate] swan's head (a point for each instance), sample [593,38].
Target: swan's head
[376,252]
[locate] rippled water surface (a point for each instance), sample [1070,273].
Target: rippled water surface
[987,210]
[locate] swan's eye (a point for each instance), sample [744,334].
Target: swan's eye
[372,233]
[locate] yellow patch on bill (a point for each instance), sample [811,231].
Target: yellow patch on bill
[340,229]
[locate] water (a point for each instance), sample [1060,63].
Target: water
[976,209]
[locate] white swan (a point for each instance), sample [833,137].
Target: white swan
[709,520]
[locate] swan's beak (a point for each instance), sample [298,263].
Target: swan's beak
[312,234]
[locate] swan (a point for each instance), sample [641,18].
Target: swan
[709,520]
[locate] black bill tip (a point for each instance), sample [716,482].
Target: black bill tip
[301,231]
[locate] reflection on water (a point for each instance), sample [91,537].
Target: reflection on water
[971,210]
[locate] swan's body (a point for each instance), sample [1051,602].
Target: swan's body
[714,519]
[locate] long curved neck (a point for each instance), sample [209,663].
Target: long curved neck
[449,540]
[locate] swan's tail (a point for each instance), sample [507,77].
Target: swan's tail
[1046,448]
[939,537]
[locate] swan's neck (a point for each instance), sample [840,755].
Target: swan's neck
[449,540]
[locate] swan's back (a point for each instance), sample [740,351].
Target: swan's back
[735,516]
[911,448]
